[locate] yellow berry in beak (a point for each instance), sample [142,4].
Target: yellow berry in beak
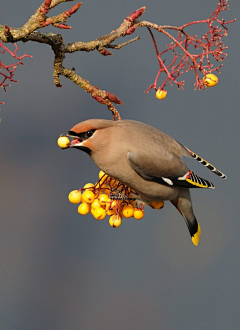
[210,80]
[63,141]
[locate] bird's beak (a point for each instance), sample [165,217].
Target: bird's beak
[76,140]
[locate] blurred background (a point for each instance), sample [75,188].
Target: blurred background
[61,270]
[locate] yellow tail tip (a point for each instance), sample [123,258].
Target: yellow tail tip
[196,236]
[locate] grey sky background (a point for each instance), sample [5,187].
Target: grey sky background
[61,270]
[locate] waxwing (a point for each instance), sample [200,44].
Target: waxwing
[145,159]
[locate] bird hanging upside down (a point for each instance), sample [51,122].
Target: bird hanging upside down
[146,160]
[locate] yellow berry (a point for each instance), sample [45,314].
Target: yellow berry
[112,204]
[83,208]
[111,207]
[99,213]
[114,183]
[104,199]
[115,221]
[101,174]
[89,186]
[111,211]
[105,189]
[97,186]
[128,192]
[88,196]
[138,214]
[134,204]
[75,197]
[127,211]
[95,204]
[161,94]
[102,188]
[63,141]
[210,80]
[157,205]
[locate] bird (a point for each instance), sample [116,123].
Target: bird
[145,159]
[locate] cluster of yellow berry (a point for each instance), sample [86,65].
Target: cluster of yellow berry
[210,80]
[109,197]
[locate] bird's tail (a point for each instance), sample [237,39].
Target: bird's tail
[184,206]
[194,229]
[206,164]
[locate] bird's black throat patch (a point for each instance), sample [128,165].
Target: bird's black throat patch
[85,149]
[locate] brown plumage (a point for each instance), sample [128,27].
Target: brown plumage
[145,159]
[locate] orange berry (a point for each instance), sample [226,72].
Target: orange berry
[75,197]
[127,211]
[161,94]
[157,205]
[83,208]
[138,214]
[99,213]
[210,80]
[115,221]
[63,141]
[88,196]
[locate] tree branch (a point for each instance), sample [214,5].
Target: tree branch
[210,44]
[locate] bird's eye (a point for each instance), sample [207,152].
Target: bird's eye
[88,134]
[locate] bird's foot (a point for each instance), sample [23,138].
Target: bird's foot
[117,195]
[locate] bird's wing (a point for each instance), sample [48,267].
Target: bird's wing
[168,169]
[206,164]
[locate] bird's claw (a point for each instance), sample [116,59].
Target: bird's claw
[117,195]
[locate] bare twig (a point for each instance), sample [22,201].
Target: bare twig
[209,46]
[6,76]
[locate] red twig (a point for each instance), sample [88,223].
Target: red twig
[209,46]
[7,76]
